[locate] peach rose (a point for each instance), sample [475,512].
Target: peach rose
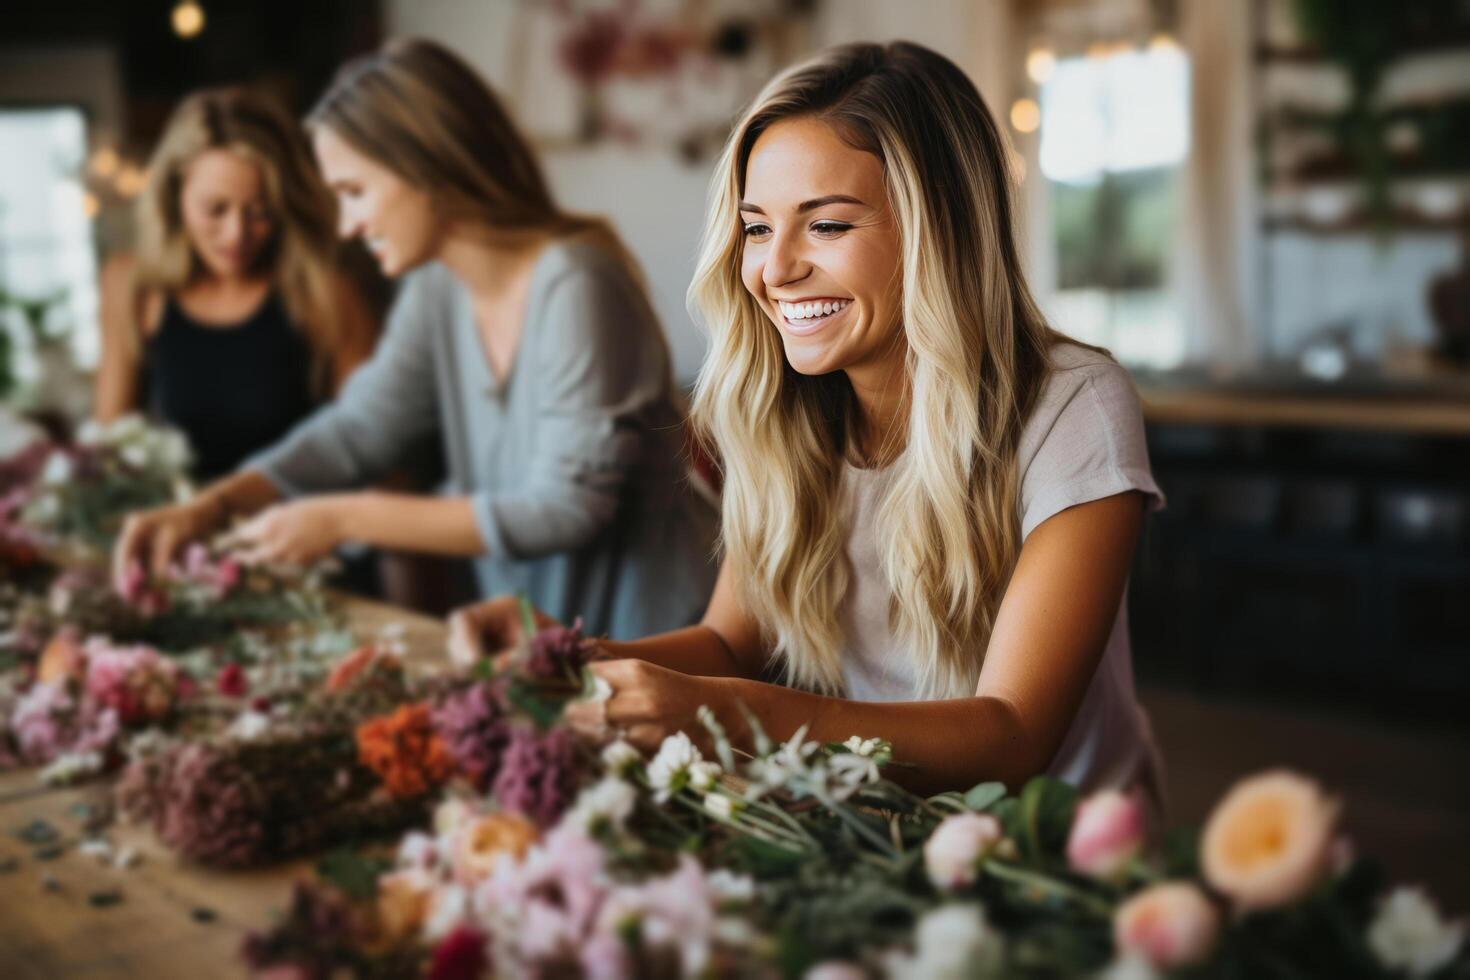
[482,840]
[63,657]
[1269,842]
[403,902]
[1170,925]
[344,670]
[1106,834]
[953,852]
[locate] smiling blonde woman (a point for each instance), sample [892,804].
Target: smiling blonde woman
[931,498]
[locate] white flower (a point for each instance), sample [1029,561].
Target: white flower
[853,770]
[90,433]
[952,942]
[448,907]
[134,455]
[720,806]
[57,470]
[619,757]
[1408,933]
[669,771]
[728,886]
[175,453]
[862,746]
[249,725]
[704,775]
[451,815]
[418,850]
[609,801]
[601,691]
[1129,967]
[69,767]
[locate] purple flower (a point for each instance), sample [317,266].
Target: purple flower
[472,723]
[558,652]
[209,812]
[49,720]
[538,774]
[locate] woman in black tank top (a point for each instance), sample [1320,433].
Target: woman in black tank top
[195,375]
[231,320]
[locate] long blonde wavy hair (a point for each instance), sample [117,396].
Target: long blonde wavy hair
[418,109]
[977,355]
[301,258]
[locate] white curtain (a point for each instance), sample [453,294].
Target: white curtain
[1217,269]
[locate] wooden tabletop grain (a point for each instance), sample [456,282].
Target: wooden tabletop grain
[67,914]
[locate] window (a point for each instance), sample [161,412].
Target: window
[1114,132]
[47,257]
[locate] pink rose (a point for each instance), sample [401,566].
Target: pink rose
[1171,925]
[953,852]
[1269,842]
[1107,833]
[835,970]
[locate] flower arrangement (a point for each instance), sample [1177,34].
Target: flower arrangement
[802,858]
[83,491]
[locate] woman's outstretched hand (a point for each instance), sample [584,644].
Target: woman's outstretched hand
[491,628]
[151,538]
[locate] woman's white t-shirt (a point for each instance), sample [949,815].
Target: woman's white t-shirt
[1084,441]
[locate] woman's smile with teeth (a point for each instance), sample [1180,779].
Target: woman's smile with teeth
[812,309]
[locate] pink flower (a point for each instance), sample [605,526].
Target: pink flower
[1107,833]
[1171,925]
[953,852]
[49,720]
[835,970]
[231,681]
[137,682]
[1269,842]
[138,592]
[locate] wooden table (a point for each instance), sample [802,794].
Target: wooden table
[1440,416]
[174,919]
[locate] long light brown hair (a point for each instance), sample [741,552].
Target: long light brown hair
[418,109]
[977,356]
[301,256]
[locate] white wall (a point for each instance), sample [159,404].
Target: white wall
[656,199]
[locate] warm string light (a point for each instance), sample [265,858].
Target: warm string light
[188,19]
[1025,115]
[1040,64]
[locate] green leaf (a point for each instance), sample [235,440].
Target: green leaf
[542,711]
[528,619]
[1047,806]
[985,795]
[355,874]
[1181,852]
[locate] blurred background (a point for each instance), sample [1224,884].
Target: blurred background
[1262,207]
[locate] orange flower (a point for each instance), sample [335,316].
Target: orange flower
[1268,842]
[403,902]
[62,658]
[345,670]
[482,840]
[405,751]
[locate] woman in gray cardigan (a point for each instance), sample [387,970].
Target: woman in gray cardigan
[521,338]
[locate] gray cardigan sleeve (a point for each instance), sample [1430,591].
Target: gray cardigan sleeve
[599,364]
[385,408]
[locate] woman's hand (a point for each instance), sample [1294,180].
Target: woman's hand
[649,703]
[297,533]
[489,629]
[153,537]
